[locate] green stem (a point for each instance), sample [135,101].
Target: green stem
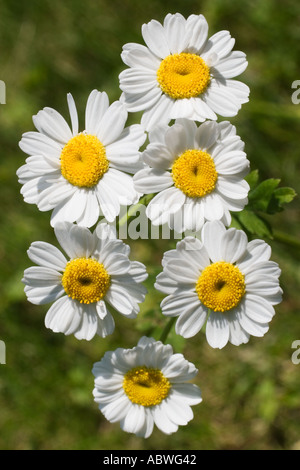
[286,239]
[167,329]
[132,209]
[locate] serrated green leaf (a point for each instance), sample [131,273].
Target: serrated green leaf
[280,197]
[260,197]
[255,224]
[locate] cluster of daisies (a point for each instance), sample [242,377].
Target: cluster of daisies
[195,168]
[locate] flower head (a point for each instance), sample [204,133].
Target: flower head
[182,73]
[146,385]
[197,172]
[223,280]
[98,272]
[81,175]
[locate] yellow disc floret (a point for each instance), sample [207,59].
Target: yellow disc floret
[194,173]
[221,286]
[183,75]
[146,386]
[85,280]
[83,160]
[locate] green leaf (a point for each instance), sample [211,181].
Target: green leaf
[260,197]
[252,178]
[255,224]
[267,398]
[280,197]
[235,222]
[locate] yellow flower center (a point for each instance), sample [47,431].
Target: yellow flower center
[194,173]
[83,160]
[183,75]
[221,286]
[146,386]
[85,280]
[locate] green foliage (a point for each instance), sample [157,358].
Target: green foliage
[264,198]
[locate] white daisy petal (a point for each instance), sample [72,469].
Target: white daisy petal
[91,212]
[174,26]
[257,251]
[155,38]
[221,100]
[191,391]
[97,272]
[176,139]
[258,309]
[62,316]
[226,281]
[138,101]
[212,207]
[252,327]
[47,255]
[212,234]
[234,244]
[178,39]
[106,326]
[165,284]
[34,143]
[237,335]
[158,156]
[118,298]
[139,56]
[134,420]
[42,285]
[121,186]
[152,180]
[112,123]
[120,398]
[97,105]
[232,65]
[160,111]
[164,203]
[190,322]
[116,410]
[163,421]
[221,43]
[196,33]
[108,201]
[217,330]
[188,196]
[50,123]
[77,190]
[76,241]
[73,113]
[138,80]
[180,300]
[207,134]
[89,323]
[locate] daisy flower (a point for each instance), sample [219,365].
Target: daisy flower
[98,272]
[182,73]
[197,173]
[223,280]
[146,385]
[81,175]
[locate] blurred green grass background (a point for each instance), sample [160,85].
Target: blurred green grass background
[250,393]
